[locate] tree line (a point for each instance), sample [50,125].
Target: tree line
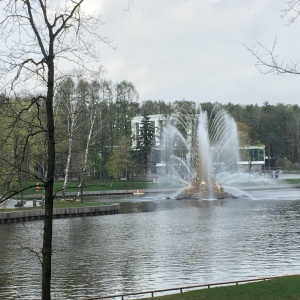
[94,134]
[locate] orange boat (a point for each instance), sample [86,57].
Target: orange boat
[138,193]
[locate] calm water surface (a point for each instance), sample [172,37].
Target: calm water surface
[156,243]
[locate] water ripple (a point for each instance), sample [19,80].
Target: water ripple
[172,243]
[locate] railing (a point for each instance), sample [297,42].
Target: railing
[181,289]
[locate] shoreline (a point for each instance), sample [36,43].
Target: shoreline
[156,190]
[38,214]
[68,212]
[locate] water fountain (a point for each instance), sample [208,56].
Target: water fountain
[197,149]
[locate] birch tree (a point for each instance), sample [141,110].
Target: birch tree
[37,36]
[94,106]
[71,103]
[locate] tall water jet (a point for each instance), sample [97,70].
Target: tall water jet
[197,149]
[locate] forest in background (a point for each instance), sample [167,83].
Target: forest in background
[94,135]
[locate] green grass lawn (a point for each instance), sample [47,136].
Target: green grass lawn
[292,181]
[285,288]
[119,185]
[95,186]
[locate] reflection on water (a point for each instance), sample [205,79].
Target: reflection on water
[155,243]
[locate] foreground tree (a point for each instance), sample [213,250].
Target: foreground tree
[35,35]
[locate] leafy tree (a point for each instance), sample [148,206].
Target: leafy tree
[103,141]
[284,163]
[243,130]
[20,154]
[253,118]
[150,107]
[120,159]
[293,132]
[208,107]
[236,111]
[125,107]
[185,107]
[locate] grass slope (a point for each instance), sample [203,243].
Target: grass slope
[93,186]
[118,185]
[285,288]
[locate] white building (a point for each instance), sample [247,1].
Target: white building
[252,158]
[158,124]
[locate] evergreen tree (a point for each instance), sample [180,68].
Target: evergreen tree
[145,142]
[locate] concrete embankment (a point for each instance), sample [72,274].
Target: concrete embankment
[101,193]
[37,214]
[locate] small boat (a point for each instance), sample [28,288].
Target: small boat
[138,193]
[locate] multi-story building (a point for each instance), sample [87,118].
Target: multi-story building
[157,123]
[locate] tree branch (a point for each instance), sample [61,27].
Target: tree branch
[267,61]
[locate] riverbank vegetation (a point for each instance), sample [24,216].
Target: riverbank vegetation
[285,288]
[93,185]
[103,153]
[102,185]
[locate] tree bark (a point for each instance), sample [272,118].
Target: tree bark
[47,238]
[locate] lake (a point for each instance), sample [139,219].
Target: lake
[156,243]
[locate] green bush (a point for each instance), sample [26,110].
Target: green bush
[284,163]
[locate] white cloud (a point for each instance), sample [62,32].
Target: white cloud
[92,6]
[176,49]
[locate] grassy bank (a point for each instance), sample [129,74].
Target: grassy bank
[95,186]
[285,288]
[120,185]
[292,181]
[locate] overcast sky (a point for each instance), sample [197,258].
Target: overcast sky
[194,49]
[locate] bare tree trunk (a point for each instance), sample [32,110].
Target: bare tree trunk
[47,238]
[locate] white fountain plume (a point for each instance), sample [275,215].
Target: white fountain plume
[196,148]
